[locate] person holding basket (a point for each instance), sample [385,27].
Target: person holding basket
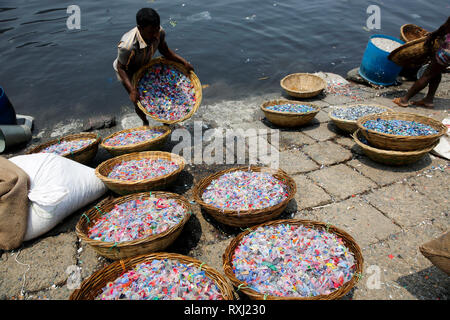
[137,47]
[432,76]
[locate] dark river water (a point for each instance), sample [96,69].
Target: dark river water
[56,74]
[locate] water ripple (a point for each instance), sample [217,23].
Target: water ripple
[51,10]
[43,20]
[6,9]
[10,19]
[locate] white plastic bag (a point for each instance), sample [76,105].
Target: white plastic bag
[443,148]
[58,187]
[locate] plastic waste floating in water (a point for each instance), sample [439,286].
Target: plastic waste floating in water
[204,15]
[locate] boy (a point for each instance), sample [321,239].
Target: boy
[136,49]
[432,76]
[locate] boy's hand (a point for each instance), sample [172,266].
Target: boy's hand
[134,96]
[188,66]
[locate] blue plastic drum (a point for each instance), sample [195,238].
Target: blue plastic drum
[376,67]
[7,113]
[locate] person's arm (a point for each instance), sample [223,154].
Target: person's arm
[169,54]
[438,33]
[132,91]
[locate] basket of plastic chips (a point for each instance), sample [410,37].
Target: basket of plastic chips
[135,224]
[401,131]
[345,117]
[81,147]
[293,260]
[157,276]
[167,92]
[245,196]
[287,113]
[138,139]
[140,171]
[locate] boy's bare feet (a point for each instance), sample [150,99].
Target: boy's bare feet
[400,102]
[424,103]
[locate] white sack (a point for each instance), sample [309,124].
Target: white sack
[443,148]
[58,187]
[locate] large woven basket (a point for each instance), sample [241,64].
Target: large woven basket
[246,217]
[349,242]
[413,54]
[127,187]
[84,155]
[153,144]
[128,249]
[390,157]
[288,119]
[401,143]
[303,85]
[192,76]
[92,286]
[411,32]
[350,126]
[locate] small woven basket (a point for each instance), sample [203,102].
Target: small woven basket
[192,76]
[401,143]
[389,157]
[84,155]
[303,85]
[153,144]
[413,54]
[350,126]
[349,242]
[126,187]
[411,32]
[128,249]
[92,286]
[288,119]
[246,217]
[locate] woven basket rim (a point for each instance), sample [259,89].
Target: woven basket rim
[289,114]
[414,26]
[165,129]
[124,265]
[70,137]
[205,182]
[347,238]
[407,45]
[93,215]
[301,74]
[442,129]
[147,154]
[192,76]
[330,113]
[386,152]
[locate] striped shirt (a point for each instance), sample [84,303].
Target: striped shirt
[443,54]
[134,52]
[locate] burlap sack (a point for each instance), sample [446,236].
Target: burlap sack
[14,184]
[438,252]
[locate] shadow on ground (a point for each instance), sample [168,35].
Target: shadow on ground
[413,167]
[188,238]
[427,284]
